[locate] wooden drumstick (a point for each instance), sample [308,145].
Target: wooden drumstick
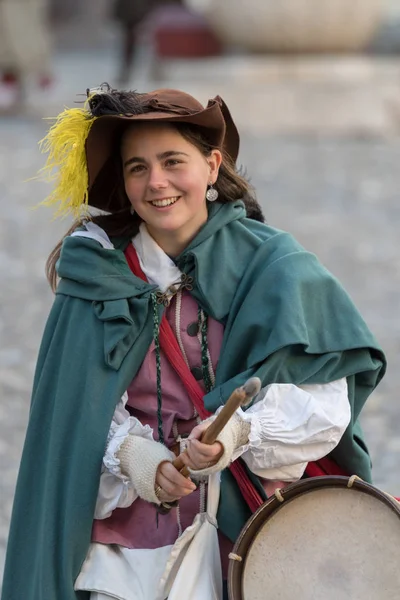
[240,397]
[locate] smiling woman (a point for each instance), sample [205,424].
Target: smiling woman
[166,303]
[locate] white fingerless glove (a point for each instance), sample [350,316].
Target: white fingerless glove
[234,434]
[139,459]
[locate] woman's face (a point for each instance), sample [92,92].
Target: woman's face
[166,180]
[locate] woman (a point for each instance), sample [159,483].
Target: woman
[179,287]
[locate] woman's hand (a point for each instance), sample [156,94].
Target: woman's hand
[170,484]
[201,456]
[173,485]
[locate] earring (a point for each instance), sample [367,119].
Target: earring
[211,193]
[132,210]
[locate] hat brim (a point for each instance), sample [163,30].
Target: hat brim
[105,134]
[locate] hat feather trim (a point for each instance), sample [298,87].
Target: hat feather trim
[66,162]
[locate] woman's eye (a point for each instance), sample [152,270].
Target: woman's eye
[136,169]
[171,162]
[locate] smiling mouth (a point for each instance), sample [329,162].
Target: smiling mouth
[165,201]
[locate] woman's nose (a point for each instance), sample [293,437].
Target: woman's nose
[157,178]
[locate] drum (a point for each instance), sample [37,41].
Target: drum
[325,538]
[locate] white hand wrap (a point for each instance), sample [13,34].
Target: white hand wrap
[234,434]
[139,460]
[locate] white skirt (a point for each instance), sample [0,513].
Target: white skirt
[190,568]
[111,571]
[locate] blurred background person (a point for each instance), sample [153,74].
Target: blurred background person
[168,30]
[25,50]
[130,14]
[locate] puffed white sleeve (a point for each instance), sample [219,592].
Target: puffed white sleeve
[292,425]
[116,489]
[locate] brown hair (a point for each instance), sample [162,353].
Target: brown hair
[231,186]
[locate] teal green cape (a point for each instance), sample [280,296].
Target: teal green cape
[287,320]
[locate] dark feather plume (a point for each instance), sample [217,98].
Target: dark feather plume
[106,100]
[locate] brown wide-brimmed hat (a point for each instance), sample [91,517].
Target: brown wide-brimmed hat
[164,105]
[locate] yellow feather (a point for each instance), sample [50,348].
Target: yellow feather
[66,161]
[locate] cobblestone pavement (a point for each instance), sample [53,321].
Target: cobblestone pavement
[338,196]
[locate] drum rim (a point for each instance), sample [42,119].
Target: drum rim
[247,535]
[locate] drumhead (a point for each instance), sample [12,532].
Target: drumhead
[324,542]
